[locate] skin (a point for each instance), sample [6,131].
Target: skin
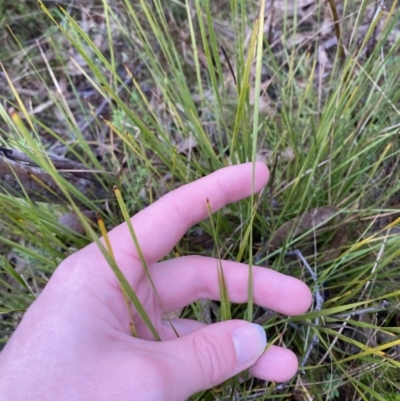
[74,342]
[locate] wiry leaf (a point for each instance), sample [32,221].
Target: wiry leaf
[223,290]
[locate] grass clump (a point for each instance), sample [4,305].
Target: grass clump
[148,98]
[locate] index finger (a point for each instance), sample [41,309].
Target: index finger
[161,225]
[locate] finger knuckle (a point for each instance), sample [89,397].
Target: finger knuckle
[211,363]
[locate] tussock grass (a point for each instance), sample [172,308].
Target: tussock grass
[174,93]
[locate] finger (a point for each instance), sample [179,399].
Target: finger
[184,280]
[161,225]
[276,364]
[211,355]
[182,327]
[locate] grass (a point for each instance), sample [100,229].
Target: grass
[180,86]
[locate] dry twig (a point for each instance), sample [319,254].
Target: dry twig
[20,176]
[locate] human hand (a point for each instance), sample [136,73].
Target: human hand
[74,342]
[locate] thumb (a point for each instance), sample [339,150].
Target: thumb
[211,355]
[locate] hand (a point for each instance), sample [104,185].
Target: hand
[74,342]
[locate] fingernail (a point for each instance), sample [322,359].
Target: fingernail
[250,341]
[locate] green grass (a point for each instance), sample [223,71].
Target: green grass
[330,132]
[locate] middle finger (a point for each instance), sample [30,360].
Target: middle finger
[184,280]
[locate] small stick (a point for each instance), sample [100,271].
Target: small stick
[382,306]
[252,396]
[20,178]
[335,17]
[319,300]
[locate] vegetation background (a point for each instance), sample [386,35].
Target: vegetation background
[147,95]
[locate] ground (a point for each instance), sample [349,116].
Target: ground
[146,97]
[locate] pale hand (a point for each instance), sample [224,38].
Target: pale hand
[74,343]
